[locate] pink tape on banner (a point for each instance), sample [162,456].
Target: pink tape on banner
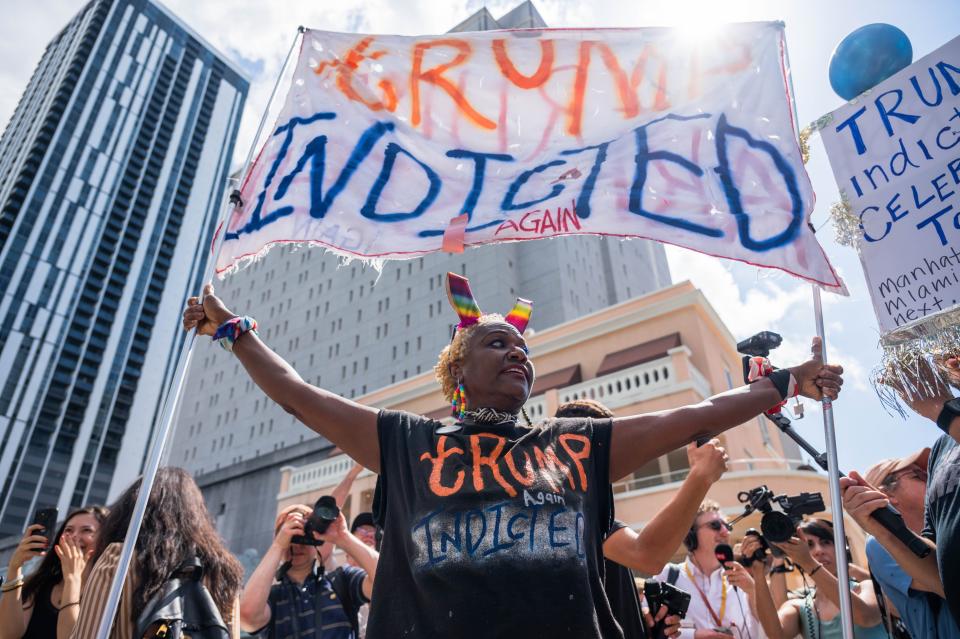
[454,233]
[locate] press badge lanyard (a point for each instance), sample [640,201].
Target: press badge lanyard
[723,597]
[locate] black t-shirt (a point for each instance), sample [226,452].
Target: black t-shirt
[492,531]
[942,518]
[622,593]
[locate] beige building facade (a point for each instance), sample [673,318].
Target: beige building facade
[663,350]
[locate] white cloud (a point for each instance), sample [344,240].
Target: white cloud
[768,303]
[759,308]
[856,376]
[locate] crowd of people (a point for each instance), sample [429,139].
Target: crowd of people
[492,526]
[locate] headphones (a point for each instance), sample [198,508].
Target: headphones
[690,541]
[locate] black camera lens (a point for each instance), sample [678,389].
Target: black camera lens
[777,527]
[325,512]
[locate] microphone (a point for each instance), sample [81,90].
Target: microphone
[724,554]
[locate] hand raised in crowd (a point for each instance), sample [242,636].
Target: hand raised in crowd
[292,526]
[31,545]
[739,576]
[206,317]
[798,551]
[72,558]
[860,499]
[816,379]
[708,461]
[671,627]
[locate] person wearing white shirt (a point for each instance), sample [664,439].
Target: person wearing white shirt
[720,599]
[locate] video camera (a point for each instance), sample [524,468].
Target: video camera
[325,512]
[776,526]
[658,594]
[779,526]
[760,345]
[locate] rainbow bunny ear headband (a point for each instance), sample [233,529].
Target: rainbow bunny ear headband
[463,302]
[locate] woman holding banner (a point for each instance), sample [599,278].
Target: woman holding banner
[493,528]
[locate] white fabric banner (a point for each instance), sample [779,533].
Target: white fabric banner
[519,135]
[895,153]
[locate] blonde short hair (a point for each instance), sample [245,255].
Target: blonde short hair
[708,506]
[455,352]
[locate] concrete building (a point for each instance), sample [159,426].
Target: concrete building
[351,330]
[112,173]
[665,349]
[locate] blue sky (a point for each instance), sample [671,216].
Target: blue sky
[257,33]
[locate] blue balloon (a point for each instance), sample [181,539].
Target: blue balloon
[867,57]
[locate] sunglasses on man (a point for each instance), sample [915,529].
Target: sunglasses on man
[716,525]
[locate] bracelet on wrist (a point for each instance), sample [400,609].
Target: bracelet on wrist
[13,585]
[67,605]
[233,329]
[814,571]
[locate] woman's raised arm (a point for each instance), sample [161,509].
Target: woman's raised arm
[347,424]
[639,438]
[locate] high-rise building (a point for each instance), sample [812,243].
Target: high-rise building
[112,171]
[351,330]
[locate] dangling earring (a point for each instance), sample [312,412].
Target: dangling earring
[459,403]
[526,417]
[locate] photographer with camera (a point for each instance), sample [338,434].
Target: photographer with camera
[720,606]
[911,584]
[816,616]
[300,599]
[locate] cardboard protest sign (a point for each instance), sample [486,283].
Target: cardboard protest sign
[518,135]
[895,153]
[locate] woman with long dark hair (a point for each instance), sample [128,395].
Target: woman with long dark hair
[817,615]
[46,604]
[493,527]
[176,527]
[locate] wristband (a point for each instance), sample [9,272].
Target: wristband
[13,585]
[231,330]
[814,571]
[951,410]
[783,380]
[785,383]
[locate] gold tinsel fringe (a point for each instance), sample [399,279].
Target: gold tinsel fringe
[846,225]
[912,366]
[805,143]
